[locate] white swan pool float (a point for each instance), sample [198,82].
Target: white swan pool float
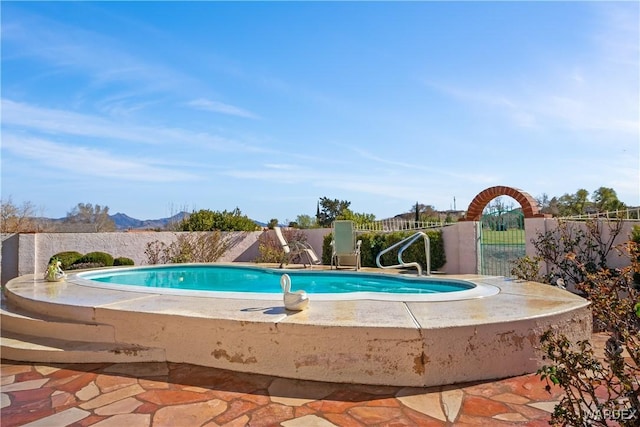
[295,301]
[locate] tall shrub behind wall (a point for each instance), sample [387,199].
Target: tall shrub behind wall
[374,243]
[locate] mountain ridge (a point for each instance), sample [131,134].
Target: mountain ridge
[125,222]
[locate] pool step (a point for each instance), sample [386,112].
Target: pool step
[16,320]
[35,337]
[29,348]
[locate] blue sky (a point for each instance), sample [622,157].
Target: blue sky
[154,107]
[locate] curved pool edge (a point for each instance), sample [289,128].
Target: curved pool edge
[359,341]
[478,289]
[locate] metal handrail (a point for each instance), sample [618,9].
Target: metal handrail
[409,240]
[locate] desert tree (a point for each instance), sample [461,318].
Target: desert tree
[96,216]
[17,218]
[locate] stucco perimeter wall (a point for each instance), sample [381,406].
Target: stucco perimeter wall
[460,248]
[34,250]
[29,253]
[535,226]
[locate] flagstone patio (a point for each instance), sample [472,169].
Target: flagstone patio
[169,394]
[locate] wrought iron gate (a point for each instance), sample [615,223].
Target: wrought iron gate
[502,241]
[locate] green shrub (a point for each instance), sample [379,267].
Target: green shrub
[86,265]
[207,220]
[67,258]
[123,261]
[189,247]
[269,247]
[326,249]
[595,387]
[374,243]
[527,268]
[101,259]
[572,250]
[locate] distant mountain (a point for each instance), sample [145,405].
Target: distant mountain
[122,221]
[125,222]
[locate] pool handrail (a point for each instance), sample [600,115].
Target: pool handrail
[407,242]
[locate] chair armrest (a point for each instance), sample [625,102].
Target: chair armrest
[297,244]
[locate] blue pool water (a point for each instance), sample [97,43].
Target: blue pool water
[224,278]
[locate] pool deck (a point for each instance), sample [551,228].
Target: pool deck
[389,343]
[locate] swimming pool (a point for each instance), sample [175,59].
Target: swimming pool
[264,283]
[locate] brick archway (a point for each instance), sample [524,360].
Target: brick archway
[528,203]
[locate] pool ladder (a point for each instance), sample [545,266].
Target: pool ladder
[405,244]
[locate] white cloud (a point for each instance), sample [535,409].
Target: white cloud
[424,167]
[276,175]
[388,185]
[281,166]
[89,161]
[61,122]
[220,107]
[66,47]
[66,122]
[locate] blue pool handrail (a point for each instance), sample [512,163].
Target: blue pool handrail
[407,242]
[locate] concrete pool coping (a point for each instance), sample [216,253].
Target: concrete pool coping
[405,343]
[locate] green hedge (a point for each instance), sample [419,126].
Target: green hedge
[123,261]
[374,243]
[102,258]
[72,260]
[67,258]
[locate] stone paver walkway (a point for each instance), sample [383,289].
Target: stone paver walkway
[168,394]
[177,395]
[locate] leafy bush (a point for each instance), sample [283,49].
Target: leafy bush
[595,390]
[267,251]
[527,268]
[374,243]
[67,258]
[101,259]
[269,248]
[155,252]
[587,242]
[123,261]
[190,247]
[207,220]
[85,265]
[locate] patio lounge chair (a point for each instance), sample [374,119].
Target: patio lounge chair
[296,250]
[345,250]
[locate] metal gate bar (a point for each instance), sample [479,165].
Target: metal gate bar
[502,241]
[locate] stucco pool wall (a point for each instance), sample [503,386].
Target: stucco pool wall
[402,343]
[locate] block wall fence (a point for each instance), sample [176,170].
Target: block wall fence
[29,253]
